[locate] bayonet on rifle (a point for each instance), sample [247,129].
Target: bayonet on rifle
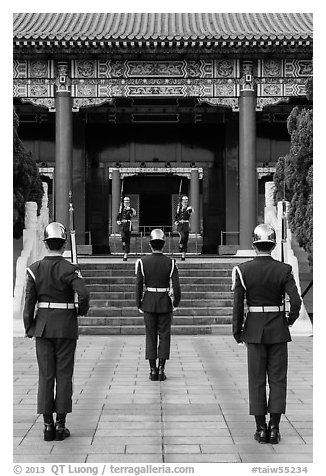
[73,245]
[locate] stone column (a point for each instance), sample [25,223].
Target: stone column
[63,144]
[247,163]
[194,201]
[116,186]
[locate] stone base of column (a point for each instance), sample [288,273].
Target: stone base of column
[246,253]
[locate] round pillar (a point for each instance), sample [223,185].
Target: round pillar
[194,201]
[63,156]
[247,167]
[116,185]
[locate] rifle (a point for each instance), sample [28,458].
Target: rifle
[73,245]
[121,198]
[179,197]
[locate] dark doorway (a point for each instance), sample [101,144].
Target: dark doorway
[155,210]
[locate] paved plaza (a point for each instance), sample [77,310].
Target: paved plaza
[198,415]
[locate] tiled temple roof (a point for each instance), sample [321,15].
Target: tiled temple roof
[100,29]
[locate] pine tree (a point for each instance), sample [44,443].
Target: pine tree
[27,184]
[294,175]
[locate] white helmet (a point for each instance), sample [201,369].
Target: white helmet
[55,230]
[264,234]
[157,235]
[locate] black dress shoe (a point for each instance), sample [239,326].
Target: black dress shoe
[261,435]
[161,374]
[274,435]
[61,432]
[49,431]
[153,374]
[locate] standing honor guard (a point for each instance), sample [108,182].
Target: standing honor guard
[157,275]
[124,220]
[264,282]
[182,221]
[51,285]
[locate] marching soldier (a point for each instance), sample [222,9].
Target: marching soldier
[264,282]
[51,285]
[182,223]
[124,220]
[157,295]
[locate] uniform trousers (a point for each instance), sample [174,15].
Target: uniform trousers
[158,331]
[183,242]
[55,357]
[125,238]
[269,360]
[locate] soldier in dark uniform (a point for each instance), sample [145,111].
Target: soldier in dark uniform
[182,222]
[51,285]
[264,282]
[157,295]
[124,221]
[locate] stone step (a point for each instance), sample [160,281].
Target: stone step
[139,320]
[186,295]
[125,273]
[108,303]
[131,311]
[184,280]
[130,288]
[130,264]
[216,329]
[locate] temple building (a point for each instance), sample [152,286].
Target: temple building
[153,104]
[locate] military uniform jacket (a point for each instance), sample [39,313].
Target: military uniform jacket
[157,271]
[54,279]
[183,214]
[126,214]
[263,282]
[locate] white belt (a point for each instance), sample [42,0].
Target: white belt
[183,221]
[158,290]
[56,305]
[265,308]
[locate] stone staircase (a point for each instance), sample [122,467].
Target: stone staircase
[205,308]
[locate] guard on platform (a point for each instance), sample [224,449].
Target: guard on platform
[124,217]
[50,315]
[182,222]
[157,295]
[264,327]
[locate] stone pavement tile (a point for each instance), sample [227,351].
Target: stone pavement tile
[193,418]
[193,440]
[190,425]
[276,458]
[52,458]
[238,432]
[130,418]
[32,449]
[135,440]
[288,440]
[87,449]
[129,425]
[308,440]
[194,432]
[192,449]
[16,440]
[72,441]
[282,448]
[126,458]
[249,448]
[202,458]
[131,433]
[141,449]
